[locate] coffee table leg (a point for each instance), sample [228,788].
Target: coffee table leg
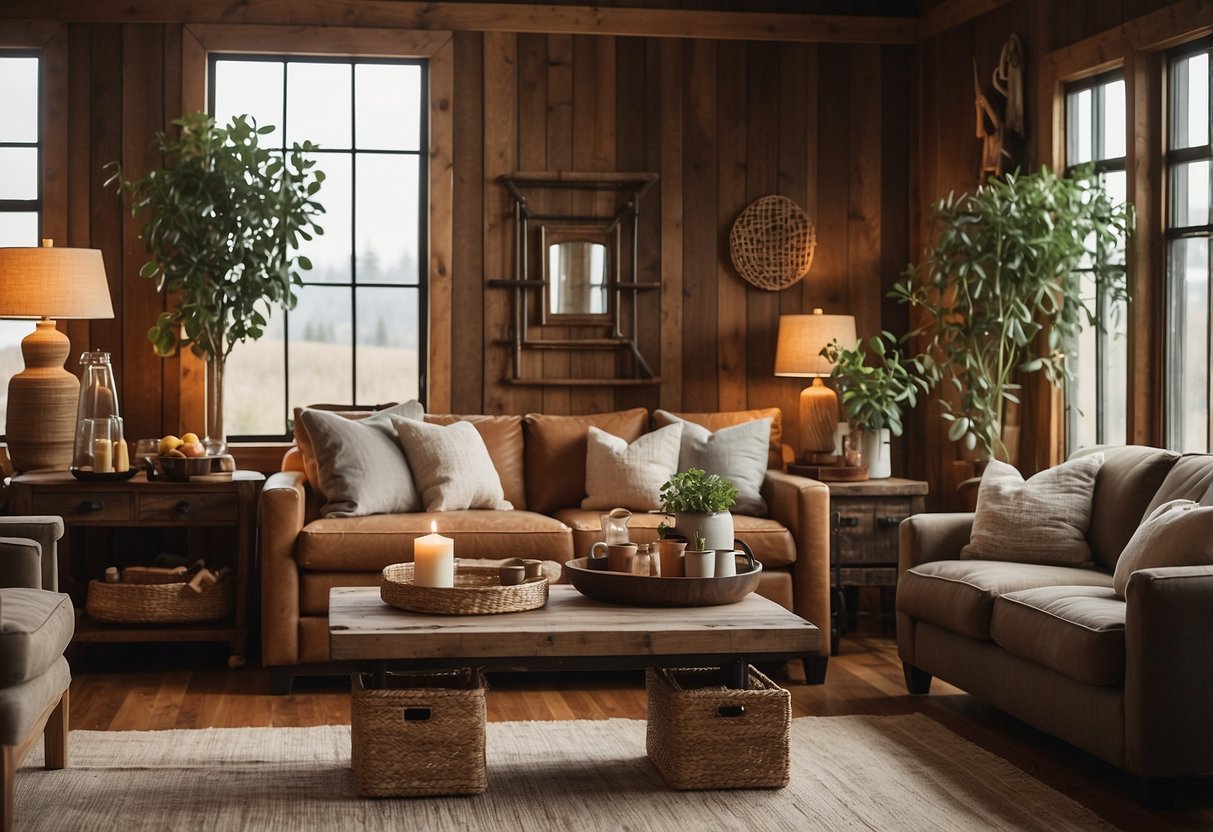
[737,673]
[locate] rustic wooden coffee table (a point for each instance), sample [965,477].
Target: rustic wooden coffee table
[571,632]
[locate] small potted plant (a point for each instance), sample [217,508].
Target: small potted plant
[701,503]
[700,561]
[873,393]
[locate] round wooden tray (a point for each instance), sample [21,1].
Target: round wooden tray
[645,591]
[477,591]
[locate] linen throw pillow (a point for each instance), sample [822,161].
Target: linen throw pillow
[1043,520]
[738,452]
[451,466]
[1178,533]
[379,419]
[359,466]
[619,475]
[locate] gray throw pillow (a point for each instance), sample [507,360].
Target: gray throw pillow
[379,418]
[359,466]
[451,466]
[738,452]
[1178,533]
[1042,520]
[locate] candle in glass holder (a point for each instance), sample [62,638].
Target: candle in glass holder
[434,559]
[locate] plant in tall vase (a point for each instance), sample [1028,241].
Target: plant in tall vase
[874,393]
[701,503]
[1018,269]
[223,220]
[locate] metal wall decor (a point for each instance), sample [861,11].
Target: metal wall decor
[772,243]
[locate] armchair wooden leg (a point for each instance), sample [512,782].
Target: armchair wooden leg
[55,738]
[8,767]
[918,682]
[815,665]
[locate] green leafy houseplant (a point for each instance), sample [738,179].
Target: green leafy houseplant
[873,394]
[1002,289]
[222,218]
[695,491]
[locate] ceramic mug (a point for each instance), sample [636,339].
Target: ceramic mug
[618,555]
[670,552]
[726,563]
[534,568]
[700,563]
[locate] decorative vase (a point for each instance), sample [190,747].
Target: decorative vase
[216,439]
[716,528]
[877,453]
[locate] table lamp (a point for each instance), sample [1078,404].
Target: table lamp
[47,283]
[797,354]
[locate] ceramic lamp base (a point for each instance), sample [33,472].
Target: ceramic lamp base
[818,418]
[40,425]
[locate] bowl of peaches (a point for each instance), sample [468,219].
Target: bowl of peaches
[180,459]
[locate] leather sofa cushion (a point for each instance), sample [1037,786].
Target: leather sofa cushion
[371,543]
[502,436]
[21,704]
[556,449]
[1191,478]
[772,543]
[1127,480]
[959,594]
[35,628]
[728,418]
[1079,631]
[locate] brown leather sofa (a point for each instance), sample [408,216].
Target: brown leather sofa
[541,462]
[1127,680]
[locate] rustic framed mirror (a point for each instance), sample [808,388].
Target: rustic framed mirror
[579,265]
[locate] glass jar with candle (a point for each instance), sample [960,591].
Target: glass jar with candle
[100,448]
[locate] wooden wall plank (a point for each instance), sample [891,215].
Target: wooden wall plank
[559,144]
[733,126]
[468,296]
[863,218]
[699,254]
[441,265]
[670,192]
[172,417]
[829,284]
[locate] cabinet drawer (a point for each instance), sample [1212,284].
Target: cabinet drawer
[83,507]
[187,507]
[867,529]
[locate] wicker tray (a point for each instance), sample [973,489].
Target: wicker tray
[703,735]
[168,603]
[477,591]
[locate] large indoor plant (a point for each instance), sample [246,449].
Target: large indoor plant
[223,219]
[1009,282]
[701,503]
[874,390]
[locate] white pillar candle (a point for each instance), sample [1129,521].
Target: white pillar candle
[434,559]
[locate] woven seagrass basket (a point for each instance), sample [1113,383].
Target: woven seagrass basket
[477,591]
[159,603]
[704,735]
[422,735]
[772,243]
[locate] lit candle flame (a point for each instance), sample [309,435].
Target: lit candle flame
[433,527]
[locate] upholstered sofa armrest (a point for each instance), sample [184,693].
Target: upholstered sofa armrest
[43,530]
[927,537]
[281,519]
[1168,671]
[802,505]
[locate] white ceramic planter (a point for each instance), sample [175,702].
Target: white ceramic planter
[876,453]
[717,528]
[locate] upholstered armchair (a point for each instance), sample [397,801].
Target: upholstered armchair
[36,624]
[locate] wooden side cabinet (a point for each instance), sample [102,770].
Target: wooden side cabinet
[130,523]
[864,519]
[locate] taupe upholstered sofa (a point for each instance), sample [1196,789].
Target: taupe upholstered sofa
[541,463]
[1126,680]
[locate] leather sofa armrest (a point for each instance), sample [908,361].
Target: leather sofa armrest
[281,518]
[802,505]
[45,531]
[926,537]
[1169,671]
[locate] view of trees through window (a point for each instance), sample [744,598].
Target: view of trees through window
[357,334]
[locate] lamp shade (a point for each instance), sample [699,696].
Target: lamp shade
[54,283]
[801,338]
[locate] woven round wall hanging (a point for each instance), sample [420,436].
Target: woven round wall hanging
[772,243]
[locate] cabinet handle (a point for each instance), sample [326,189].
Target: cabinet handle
[885,522]
[183,507]
[847,522]
[92,505]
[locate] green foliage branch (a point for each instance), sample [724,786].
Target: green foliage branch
[694,490]
[874,393]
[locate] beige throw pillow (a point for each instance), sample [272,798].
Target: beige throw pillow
[359,466]
[619,475]
[738,452]
[378,419]
[451,466]
[1178,533]
[1043,520]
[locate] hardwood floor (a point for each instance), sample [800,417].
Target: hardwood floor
[124,687]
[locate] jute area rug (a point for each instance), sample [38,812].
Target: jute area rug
[848,773]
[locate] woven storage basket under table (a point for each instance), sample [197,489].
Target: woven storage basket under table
[704,735]
[159,603]
[422,735]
